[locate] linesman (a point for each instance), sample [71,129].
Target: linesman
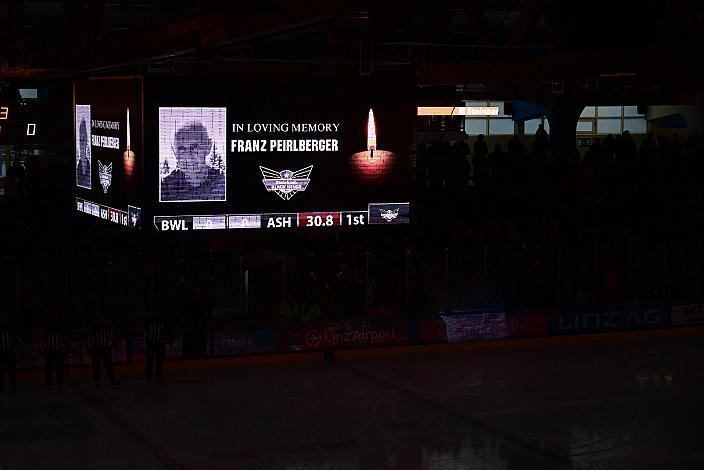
[53,342]
[156,336]
[101,341]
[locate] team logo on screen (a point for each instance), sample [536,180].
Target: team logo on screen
[286,183]
[389,215]
[105,173]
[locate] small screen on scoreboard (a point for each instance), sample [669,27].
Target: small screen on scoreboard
[108,150]
[277,154]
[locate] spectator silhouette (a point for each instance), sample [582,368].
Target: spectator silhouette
[497,162]
[675,150]
[10,342]
[541,143]
[480,160]
[608,147]
[648,152]
[15,179]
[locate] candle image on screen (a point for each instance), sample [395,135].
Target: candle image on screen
[83,151]
[371,133]
[192,154]
[372,165]
[128,155]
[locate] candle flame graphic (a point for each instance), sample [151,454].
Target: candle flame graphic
[371,132]
[128,156]
[128,129]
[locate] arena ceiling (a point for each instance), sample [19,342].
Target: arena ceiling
[508,46]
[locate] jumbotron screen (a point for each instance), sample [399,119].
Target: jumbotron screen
[279,155]
[108,150]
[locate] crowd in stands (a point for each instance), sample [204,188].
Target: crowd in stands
[619,221]
[640,202]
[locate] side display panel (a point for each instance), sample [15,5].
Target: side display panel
[109,150]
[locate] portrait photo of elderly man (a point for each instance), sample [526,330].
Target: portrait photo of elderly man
[83,152]
[192,154]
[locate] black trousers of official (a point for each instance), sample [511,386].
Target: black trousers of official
[7,364]
[54,360]
[154,359]
[103,355]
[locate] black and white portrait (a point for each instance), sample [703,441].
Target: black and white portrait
[134,217]
[83,142]
[192,154]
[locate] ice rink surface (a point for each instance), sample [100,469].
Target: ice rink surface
[617,402]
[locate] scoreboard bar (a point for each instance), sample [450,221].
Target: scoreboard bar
[376,214]
[107,213]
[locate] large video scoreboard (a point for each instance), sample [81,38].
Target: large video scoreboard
[238,154]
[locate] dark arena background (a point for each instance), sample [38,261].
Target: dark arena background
[351,235]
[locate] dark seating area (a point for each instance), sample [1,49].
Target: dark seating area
[514,229]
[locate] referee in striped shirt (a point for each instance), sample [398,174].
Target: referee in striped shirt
[9,342]
[53,342]
[156,335]
[101,341]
